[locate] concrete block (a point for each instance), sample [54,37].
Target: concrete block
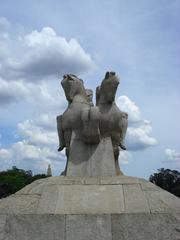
[92,181]
[119,180]
[145,226]
[2,226]
[90,199]
[66,180]
[148,186]
[162,202]
[48,200]
[91,160]
[135,200]
[17,204]
[36,227]
[88,227]
[30,187]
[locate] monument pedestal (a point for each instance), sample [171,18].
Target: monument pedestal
[90,160]
[75,208]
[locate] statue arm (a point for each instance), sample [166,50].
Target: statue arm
[123,124]
[60,133]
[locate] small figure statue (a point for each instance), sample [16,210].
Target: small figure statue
[49,171]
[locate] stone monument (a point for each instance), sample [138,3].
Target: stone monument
[92,135]
[91,199]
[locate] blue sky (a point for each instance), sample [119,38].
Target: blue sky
[40,41]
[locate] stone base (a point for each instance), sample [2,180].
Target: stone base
[91,160]
[107,208]
[141,226]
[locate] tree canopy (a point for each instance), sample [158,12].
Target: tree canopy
[14,179]
[167,179]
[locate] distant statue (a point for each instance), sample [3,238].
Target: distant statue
[88,123]
[113,122]
[49,171]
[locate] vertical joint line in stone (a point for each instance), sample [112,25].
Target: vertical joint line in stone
[124,198]
[65,230]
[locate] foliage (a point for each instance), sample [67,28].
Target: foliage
[14,179]
[168,180]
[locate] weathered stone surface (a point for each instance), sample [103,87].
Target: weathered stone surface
[90,160]
[83,128]
[112,121]
[162,201]
[92,181]
[31,188]
[49,199]
[76,195]
[2,226]
[36,227]
[119,180]
[88,227]
[115,208]
[90,199]
[137,226]
[145,226]
[134,198]
[62,180]
[148,186]
[17,204]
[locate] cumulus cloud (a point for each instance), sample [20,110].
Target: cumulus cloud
[35,95]
[37,149]
[124,157]
[12,92]
[37,135]
[138,135]
[172,156]
[27,156]
[40,55]
[127,105]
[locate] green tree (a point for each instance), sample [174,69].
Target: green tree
[14,179]
[168,180]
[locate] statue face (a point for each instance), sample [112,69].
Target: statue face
[89,94]
[109,87]
[71,85]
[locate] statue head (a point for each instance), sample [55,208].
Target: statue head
[107,90]
[72,86]
[89,93]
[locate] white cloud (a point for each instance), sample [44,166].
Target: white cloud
[41,54]
[39,96]
[37,149]
[139,130]
[30,157]
[138,138]
[124,157]
[127,105]
[12,92]
[46,121]
[172,155]
[37,135]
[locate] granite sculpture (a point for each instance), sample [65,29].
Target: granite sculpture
[112,121]
[91,124]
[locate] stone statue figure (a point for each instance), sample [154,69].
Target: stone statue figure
[77,117]
[112,122]
[85,129]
